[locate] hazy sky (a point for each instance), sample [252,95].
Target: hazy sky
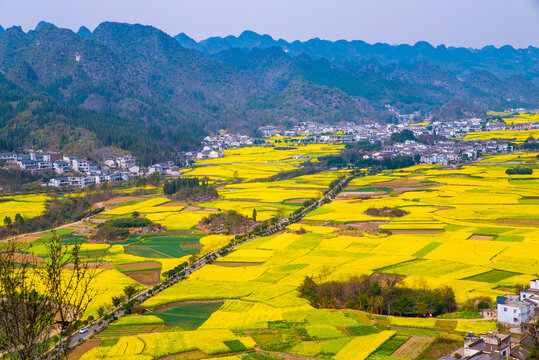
[471,23]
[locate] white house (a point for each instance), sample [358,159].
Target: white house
[28,164]
[126,161]
[110,162]
[80,165]
[134,169]
[514,310]
[57,182]
[531,294]
[61,167]
[70,159]
[8,157]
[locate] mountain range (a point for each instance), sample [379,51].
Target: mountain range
[154,93]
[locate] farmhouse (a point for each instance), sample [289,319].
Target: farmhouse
[110,162]
[531,294]
[61,167]
[488,346]
[126,161]
[515,310]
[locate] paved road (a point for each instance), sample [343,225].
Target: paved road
[94,328]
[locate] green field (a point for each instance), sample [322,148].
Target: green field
[427,249]
[164,247]
[465,228]
[492,276]
[187,316]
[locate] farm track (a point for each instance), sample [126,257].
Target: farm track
[285,356]
[33,234]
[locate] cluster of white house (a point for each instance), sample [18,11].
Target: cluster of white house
[445,152]
[227,141]
[512,311]
[40,162]
[518,309]
[29,161]
[207,152]
[83,181]
[93,174]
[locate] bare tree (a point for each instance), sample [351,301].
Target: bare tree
[25,313]
[70,290]
[42,302]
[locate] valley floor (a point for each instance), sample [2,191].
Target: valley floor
[472,228]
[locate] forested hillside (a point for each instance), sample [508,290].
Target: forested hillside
[154,93]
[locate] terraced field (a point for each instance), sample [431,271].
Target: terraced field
[472,251]
[521,118]
[517,136]
[474,229]
[28,206]
[144,259]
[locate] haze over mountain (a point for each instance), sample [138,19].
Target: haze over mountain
[174,91]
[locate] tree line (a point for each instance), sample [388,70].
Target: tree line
[190,189]
[364,294]
[519,170]
[60,210]
[172,187]
[356,160]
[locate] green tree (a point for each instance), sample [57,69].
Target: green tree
[19,220]
[254,214]
[7,221]
[307,289]
[193,258]
[130,291]
[117,300]
[155,179]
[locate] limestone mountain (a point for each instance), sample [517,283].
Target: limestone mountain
[84,32]
[175,91]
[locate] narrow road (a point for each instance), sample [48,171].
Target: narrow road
[94,328]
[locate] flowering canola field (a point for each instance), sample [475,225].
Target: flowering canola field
[474,229]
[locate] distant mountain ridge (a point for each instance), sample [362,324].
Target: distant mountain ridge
[84,32]
[175,91]
[354,52]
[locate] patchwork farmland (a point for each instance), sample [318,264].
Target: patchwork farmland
[473,229]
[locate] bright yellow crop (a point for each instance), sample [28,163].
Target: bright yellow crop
[362,346]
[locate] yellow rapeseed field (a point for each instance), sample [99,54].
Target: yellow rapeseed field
[28,206]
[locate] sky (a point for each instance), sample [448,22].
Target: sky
[468,23]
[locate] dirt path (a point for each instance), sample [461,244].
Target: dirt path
[83,349]
[22,237]
[413,347]
[285,356]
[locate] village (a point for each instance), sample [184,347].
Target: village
[446,149]
[518,314]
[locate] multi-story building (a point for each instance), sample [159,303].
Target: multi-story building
[518,309]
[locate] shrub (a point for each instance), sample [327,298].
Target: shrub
[519,170]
